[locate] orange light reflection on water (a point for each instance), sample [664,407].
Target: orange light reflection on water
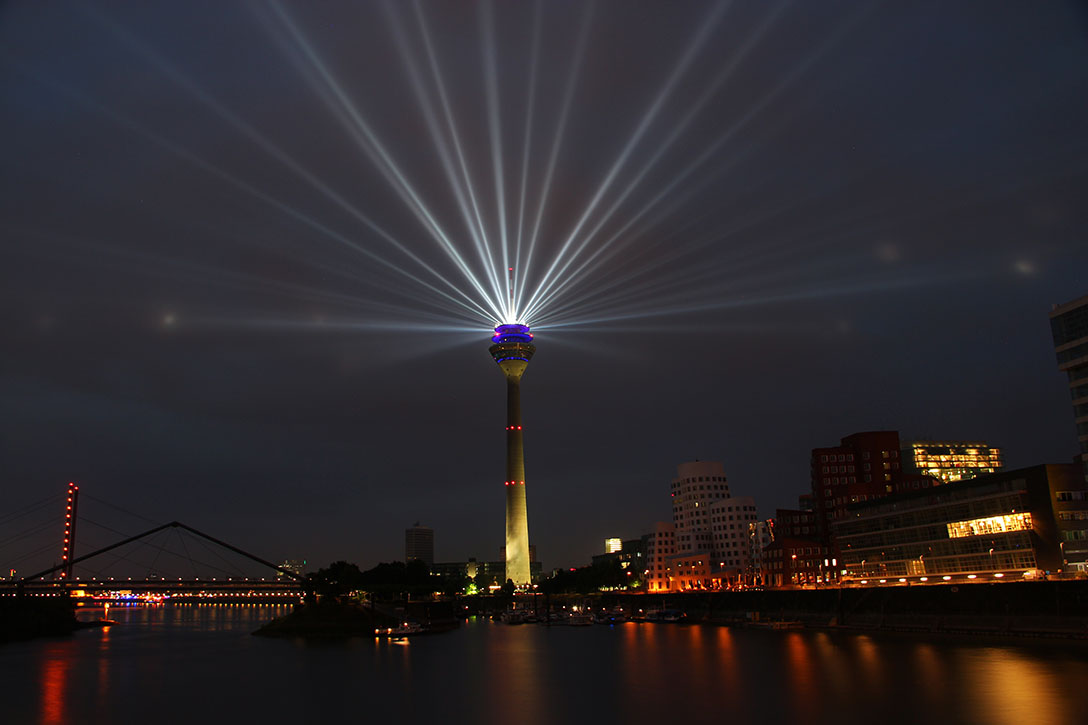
[802,676]
[1007,687]
[727,659]
[103,690]
[55,667]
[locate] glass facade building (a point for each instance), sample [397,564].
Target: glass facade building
[1069,327]
[1002,524]
[952,460]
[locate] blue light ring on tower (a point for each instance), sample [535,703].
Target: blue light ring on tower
[512,333]
[512,342]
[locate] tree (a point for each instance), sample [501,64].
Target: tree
[336,580]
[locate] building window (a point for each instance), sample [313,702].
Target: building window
[990,525]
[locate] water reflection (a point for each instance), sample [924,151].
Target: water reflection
[633,673]
[801,681]
[54,679]
[1009,687]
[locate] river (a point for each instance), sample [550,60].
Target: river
[199,664]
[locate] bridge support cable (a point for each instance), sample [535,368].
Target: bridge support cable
[30,508]
[155,530]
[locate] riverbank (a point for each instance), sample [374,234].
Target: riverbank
[1048,609]
[1009,612]
[23,618]
[327,620]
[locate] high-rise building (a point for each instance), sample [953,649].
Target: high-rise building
[419,544]
[612,545]
[1069,327]
[950,461]
[512,348]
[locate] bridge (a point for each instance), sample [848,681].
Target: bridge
[286,587]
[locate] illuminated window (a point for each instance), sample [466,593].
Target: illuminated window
[990,525]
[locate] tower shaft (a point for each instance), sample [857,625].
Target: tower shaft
[517,518]
[513,349]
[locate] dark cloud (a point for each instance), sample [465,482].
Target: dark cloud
[844,219]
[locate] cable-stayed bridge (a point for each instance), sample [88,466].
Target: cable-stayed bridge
[171,561]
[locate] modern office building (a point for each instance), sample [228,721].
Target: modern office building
[419,544]
[1003,525]
[1069,327]
[949,461]
[863,467]
[512,348]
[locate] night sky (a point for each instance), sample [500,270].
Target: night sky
[231,295]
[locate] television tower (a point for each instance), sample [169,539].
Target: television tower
[512,349]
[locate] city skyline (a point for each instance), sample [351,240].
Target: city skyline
[886,205]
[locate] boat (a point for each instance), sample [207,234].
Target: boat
[404,629]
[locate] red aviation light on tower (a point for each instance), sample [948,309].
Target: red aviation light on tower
[68,551]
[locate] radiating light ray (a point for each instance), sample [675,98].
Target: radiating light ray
[336,325]
[685,284]
[275,152]
[576,284]
[527,145]
[648,117]
[677,132]
[733,274]
[461,300]
[560,129]
[490,59]
[797,295]
[372,146]
[726,278]
[482,247]
[469,210]
[185,271]
[710,152]
[786,278]
[425,340]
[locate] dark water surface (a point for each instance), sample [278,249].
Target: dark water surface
[196,664]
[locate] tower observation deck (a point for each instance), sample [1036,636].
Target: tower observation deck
[512,348]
